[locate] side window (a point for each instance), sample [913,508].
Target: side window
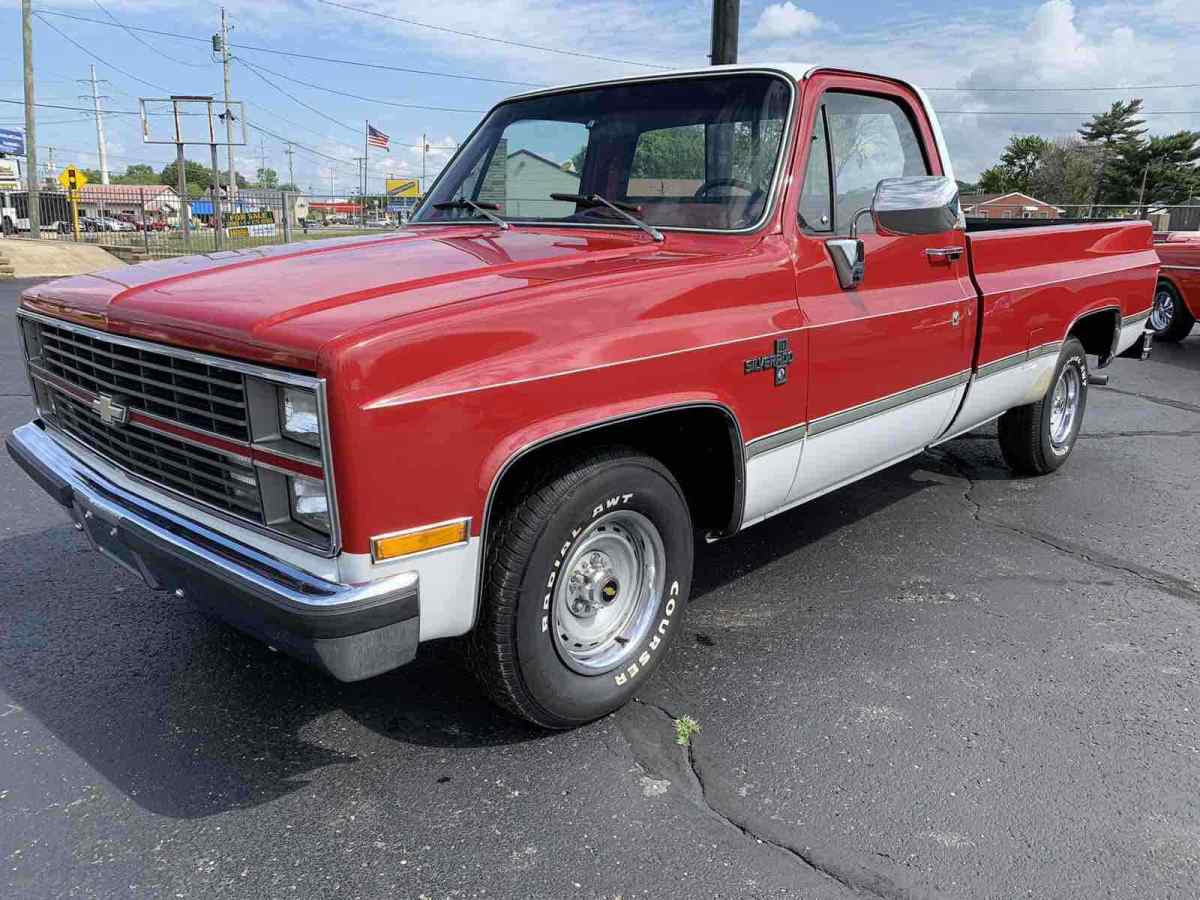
[816,207]
[871,138]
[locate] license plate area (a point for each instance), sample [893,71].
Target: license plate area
[107,536]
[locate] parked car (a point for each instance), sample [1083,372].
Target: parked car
[510,422]
[1177,297]
[377,223]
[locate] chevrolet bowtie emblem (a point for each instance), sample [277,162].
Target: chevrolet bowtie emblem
[109,411]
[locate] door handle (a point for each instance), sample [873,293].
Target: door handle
[935,253]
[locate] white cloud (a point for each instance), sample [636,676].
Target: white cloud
[780,21]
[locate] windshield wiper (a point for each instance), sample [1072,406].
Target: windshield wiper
[480,209]
[624,210]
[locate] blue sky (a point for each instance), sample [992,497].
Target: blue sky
[951,46]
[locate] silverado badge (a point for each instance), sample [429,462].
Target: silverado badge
[779,361]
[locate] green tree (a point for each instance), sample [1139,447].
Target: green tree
[1117,135]
[137,173]
[193,173]
[266,178]
[1021,157]
[1161,169]
[994,180]
[290,187]
[1066,172]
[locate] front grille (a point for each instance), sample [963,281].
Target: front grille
[192,393]
[211,477]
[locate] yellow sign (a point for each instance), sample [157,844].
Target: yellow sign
[72,179]
[403,187]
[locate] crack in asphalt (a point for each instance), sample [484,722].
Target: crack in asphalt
[1149,398]
[1169,584]
[852,875]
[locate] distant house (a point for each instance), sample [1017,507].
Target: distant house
[523,184]
[155,201]
[1013,205]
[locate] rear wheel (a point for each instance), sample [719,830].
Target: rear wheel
[1037,439]
[1170,318]
[585,582]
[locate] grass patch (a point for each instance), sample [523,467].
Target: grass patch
[685,729]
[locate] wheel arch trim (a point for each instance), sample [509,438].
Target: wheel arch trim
[737,447]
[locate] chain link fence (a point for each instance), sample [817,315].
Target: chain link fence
[150,222]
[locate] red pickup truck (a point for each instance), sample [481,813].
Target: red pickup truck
[626,313]
[1177,297]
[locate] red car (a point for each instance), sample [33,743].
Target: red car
[626,313]
[1177,298]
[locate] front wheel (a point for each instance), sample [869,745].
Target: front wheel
[585,584]
[1037,439]
[1170,318]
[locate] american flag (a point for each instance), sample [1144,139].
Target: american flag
[376,138]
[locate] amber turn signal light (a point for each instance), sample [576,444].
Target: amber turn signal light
[418,540]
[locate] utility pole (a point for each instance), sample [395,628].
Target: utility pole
[231,188]
[291,169]
[332,181]
[725,31]
[31,169]
[101,143]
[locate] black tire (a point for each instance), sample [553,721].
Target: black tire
[517,648]
[1170,319]
[1027,440]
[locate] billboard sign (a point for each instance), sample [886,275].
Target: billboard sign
[10,175]
[12,141]
[403,187]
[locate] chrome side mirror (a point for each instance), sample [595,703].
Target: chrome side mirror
[912,205]
[920,204]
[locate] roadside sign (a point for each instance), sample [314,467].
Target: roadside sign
[10,175]
[403,187]
[72,178]
[12,141]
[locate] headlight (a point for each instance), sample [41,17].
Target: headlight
[310,506]
[298,419]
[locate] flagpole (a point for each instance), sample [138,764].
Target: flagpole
[366,155]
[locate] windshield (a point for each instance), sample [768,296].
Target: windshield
[686,153]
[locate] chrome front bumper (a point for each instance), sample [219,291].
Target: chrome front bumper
[350,631]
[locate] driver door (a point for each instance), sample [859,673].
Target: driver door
[889,358]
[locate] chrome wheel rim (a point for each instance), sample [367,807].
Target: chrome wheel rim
[607,592]
[1163,313]
[1064,406]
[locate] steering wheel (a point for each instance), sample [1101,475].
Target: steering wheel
[724,182]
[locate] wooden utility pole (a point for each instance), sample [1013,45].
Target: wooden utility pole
[101,142]
[231,188]
[725,31]
[31,169]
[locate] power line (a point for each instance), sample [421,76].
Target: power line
[98,59]
[294,98]
[1063,90]
[146,43]
[993,112]
[494,40]
[254,68]
[297,55]
[329,90]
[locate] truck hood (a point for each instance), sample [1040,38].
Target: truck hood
[280,305]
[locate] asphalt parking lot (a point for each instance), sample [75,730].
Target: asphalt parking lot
[940,682]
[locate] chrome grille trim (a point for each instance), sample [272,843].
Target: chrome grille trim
[198,472]
[149,380]
[219,371]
